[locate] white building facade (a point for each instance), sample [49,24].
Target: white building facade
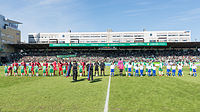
[110,37]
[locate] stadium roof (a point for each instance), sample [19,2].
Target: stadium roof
[47,46]
[12,21]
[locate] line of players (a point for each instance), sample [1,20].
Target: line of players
[64,68]
[137,69]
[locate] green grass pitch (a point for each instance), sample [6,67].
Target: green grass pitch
[127,94]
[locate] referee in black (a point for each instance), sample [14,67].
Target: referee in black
[74,69]
[102,66]
[96,66]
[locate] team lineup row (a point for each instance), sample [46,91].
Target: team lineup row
[65,68]
[137,68]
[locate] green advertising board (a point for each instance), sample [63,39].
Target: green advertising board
[108,44]
[65,56]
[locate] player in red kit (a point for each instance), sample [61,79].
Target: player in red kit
[46,64]
[54,68]
[23,63]
[66,64]
[15,64]
[32,69]
[38,64]
[60,67]
[10,70]
[83,64]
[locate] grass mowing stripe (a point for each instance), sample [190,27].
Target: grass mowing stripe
[152,94]
[55,94]
[11,81]
[107,97]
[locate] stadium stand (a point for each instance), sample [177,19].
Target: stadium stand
[173,52]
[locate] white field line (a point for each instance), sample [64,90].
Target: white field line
[107,97]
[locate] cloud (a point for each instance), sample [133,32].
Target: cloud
[48,2]
[186,16]
[193,11]
[136,10]
[145,9]
[143,3]
[47,16]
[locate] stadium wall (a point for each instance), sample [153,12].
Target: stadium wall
[110,37]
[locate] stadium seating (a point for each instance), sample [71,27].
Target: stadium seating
[114,55]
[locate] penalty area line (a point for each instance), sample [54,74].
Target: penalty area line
[107,97]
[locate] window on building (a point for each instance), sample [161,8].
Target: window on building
[96,36]
[152,40]
[44,41]
[10,36]
[137,40]
[139,36]
[74,41]
[116,35]
[162,35]
[61,42]
[172,35]
[74,37]
[31,37]
[2,34]
[103,36]
[184,35]
[32,41]
[128,35]
[116,41]
[3,41]
[128,41]
[94,41]
[162,40]
[151,34]
[63,35]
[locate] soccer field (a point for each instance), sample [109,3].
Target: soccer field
[127,94]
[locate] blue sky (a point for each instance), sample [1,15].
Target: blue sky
[100,15]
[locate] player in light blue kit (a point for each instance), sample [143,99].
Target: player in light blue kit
[194,69]
[180,69]
[174,70]
[129,69]
[141,69]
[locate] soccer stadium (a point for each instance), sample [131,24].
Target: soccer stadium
[130,71]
